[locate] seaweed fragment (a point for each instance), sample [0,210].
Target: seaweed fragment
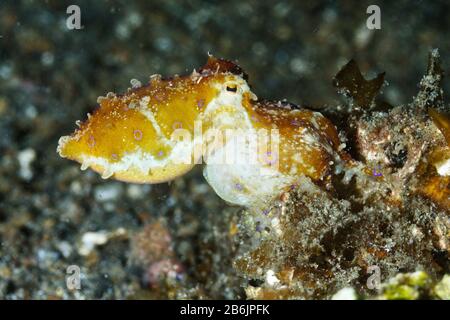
[351,83]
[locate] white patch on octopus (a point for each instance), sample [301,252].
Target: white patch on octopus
[443,167]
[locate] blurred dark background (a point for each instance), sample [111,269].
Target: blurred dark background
[51,76]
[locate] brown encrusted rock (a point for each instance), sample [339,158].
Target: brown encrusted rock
[312,244]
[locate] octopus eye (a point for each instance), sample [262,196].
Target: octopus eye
[232,87]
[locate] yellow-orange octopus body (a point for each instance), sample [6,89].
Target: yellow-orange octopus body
[252,148]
